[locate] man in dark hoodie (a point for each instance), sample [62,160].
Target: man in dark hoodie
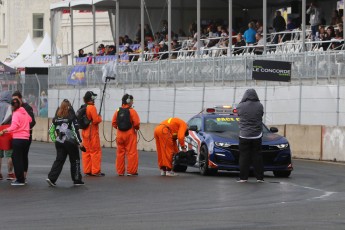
[250,112]
[5,119]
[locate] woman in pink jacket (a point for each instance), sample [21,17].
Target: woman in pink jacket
[20,129]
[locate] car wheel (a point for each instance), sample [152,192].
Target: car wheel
[180,168]
[203,163]
[281,173]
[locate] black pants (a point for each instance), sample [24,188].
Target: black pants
[62,150]
[250,154]
[20,157]
[26,155]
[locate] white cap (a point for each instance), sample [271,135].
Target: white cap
[127,44]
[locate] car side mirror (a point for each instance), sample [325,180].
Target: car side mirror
[274,129]
[193,128]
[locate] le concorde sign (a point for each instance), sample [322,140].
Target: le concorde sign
[268,70]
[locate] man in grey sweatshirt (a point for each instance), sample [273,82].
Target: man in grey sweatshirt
[250,112]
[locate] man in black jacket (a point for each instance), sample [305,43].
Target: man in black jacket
[250,112]
[29,110]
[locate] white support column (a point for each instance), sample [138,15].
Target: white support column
[264,24]
[117,29]
[169,26]
[304,9]
[230,28]
[198,18]
[142,35]
[72,36]
[94,28]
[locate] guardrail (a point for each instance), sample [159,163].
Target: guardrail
[313,65]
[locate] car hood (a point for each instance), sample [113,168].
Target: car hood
[267,138]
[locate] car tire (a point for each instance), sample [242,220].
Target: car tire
[180,168]
[282,173]
[203,163]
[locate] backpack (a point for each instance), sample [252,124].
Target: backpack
[123,119]
[82,119]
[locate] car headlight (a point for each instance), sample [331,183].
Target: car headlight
[282,146]
[222,144]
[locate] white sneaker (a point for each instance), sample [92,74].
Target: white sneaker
[163,173]
[170,173]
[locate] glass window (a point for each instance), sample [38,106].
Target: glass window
[38,25]
[195,121]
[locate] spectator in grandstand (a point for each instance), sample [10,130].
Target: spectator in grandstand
[111,50]
[128,50]
[279,25]
[192,29]
[259,27]
[249,34]
[315,18]
[122,40]
[340,28]
[335,18]
[337,45]
[175,46]
[128,40]
[101,50]
[330,34]
[259,43]
[290,25]
[148,31]
[89,58]
[81,53]
[163,48]
[239,43]
[321,34]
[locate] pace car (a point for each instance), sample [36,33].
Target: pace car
[214,138]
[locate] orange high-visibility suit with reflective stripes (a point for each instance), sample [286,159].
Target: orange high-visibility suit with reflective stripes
[93,155]
[166,134]
[126,142]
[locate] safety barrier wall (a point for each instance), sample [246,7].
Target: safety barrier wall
[313,142]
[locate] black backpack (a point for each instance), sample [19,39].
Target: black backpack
[82,119]
[123,119]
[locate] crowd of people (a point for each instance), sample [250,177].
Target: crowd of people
[215,34]
[17,121]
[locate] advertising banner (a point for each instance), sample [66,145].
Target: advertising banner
[77,76]
[268,70]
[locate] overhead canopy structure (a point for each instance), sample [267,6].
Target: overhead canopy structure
[23,52]
[176,4]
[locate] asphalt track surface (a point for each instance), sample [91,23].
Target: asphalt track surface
[313,198]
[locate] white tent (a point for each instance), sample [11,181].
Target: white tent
[41,57]
[23,52]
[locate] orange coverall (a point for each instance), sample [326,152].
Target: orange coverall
[166,134]
[126,142]
[93,155]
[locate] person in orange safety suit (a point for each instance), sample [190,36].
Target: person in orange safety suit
[166,134]
[93,156]
[126,139]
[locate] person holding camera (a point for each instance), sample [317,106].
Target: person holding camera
[20,129]
[166,135]
[92,158]
[127,122]
[64,132]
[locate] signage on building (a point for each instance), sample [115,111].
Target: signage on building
[268,70]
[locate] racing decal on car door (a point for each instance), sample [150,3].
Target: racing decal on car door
[193,142]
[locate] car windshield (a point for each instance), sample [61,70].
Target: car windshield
[224,124]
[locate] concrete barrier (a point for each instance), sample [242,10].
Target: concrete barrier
[305,141]
[333,143]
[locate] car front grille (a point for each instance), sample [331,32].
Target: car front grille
[269,153]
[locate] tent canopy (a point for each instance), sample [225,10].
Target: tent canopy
[23,52]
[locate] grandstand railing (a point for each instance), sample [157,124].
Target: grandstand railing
[214,70]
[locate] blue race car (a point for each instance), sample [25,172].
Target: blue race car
[214,138]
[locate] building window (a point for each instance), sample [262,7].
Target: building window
[37,25]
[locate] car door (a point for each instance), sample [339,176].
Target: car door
[193,140]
